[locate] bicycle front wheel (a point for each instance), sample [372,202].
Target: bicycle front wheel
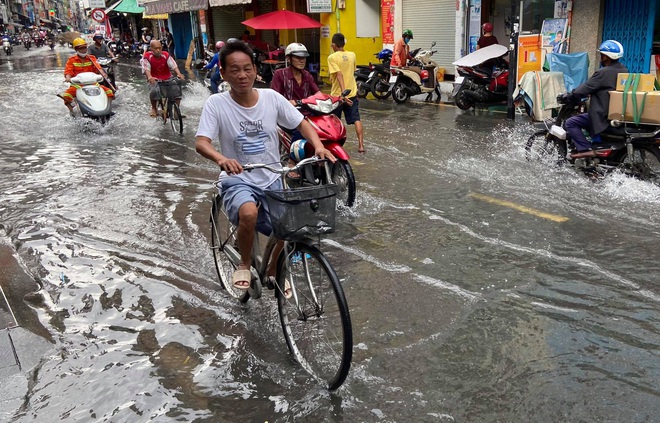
[224,245]
[176,121]
[315,320]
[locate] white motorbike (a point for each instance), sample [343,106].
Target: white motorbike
[7,47]
[417,78]
[91,98]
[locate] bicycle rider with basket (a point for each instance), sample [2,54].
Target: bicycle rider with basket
[159,65]
[245,120]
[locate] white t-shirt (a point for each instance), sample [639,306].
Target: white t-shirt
[249,134]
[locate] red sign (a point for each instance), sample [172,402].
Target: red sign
[387,20]
[98,15]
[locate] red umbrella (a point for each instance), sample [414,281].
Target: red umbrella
[282,19]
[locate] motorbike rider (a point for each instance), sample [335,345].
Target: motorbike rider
[598,87]
[215,63]
[294,82]
[100,48]
[487,39]
[145,39]
[78,63]
[159,65]
[402,49]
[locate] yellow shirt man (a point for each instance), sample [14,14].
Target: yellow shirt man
[343,62]
[341,66]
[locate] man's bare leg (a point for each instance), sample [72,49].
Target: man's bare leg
[247,222]
[360,135]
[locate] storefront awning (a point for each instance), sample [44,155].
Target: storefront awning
[127,6]
[174,6]
[214,3]
[42,20]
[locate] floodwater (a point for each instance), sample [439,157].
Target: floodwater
[482,288]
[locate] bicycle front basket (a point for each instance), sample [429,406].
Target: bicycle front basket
[170,89]
[302,212]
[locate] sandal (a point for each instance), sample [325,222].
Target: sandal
[241,279]
[153,113]
[288,293]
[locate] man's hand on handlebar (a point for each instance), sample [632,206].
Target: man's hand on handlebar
[231,166]
[324,154]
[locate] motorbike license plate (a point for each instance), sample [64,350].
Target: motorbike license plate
[459,80]
[393,79]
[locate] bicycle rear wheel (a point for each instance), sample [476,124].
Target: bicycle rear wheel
[315,320]
[176,121]
[224,245]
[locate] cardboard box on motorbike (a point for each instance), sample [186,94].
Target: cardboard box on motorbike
[646,82]
[650,101]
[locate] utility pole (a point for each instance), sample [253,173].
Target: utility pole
[513,60]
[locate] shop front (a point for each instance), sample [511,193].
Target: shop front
[183,21]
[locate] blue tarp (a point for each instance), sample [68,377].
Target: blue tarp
[574,66]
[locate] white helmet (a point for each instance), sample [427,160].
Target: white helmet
[296,49]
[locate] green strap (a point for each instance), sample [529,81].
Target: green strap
[633,82]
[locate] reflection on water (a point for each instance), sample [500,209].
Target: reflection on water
[462,310]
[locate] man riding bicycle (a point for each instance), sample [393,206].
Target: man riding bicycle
[158,65]
[245,121]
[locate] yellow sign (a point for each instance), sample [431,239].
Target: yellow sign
[529,54]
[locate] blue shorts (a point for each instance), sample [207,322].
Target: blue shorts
[351,113]
[236,192]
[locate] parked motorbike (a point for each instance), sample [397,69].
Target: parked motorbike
[108,66]
[631,149]
[483,77]
[91,99]
[7,47]
[378,82]
[361,75]
[318,110]
[420,77]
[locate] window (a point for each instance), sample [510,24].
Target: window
[367,18]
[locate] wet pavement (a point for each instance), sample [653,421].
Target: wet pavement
[482,287]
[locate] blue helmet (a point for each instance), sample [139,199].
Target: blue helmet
[612,49]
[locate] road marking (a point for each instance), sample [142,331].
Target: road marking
[519,207]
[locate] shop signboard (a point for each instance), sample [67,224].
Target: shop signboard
[387,20]
[97,4]
[554,35]
[475,24]
[319,6]
[529,54]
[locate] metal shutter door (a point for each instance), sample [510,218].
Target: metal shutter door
[227,22]
[432,20]
[630,22]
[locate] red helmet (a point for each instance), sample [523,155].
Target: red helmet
[487,27]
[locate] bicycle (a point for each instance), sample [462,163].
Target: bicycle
[167,106]
[315,319]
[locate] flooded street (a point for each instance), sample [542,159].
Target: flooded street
[482,287]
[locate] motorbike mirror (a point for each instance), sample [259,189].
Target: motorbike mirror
[433,44]
[345,93]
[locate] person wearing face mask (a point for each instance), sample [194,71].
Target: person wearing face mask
[402,49]
[597,88]
[79,63]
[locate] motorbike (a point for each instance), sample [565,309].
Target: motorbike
[318,109]
[51,44]
[483,77]
[361,75]
[631,149]
[114,47]
[7,47]
[378,82]
[417,78]
[91,99]
[27,43]
[108,66]
[38,41]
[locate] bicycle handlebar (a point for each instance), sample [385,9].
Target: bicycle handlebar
[283,170]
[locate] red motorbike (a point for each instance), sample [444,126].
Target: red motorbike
[483,77]
[318,110]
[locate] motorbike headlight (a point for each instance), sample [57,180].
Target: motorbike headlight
[323,106]
[92,92]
